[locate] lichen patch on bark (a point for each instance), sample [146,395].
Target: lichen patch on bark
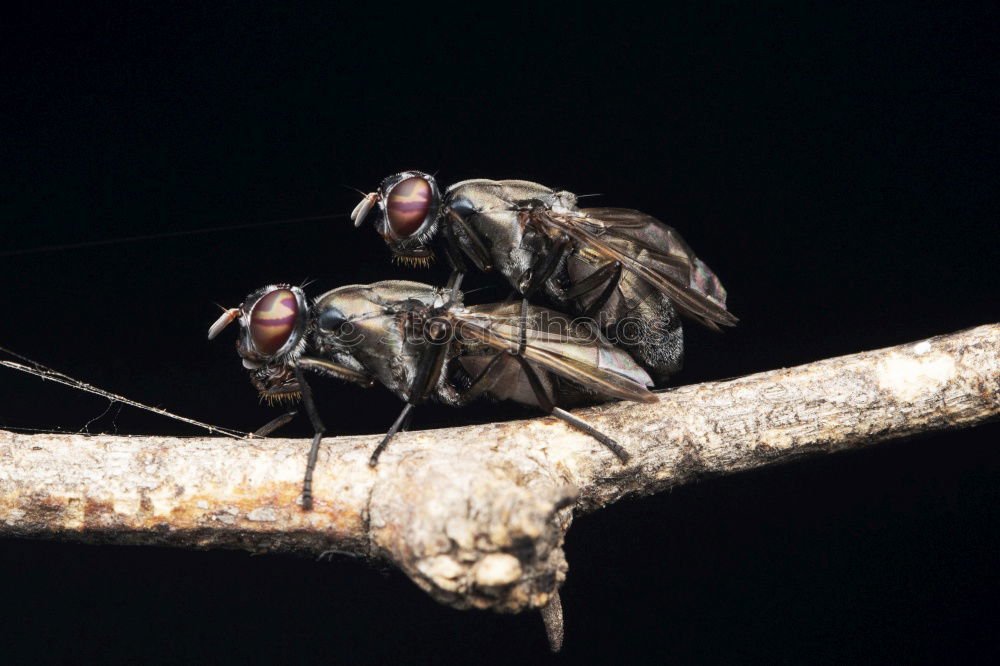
[908,377]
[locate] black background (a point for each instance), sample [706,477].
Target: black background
[835,166]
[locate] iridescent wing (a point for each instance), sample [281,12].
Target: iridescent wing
[559,346]
[650,250]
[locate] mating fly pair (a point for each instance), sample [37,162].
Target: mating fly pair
[625,275]
[422,343]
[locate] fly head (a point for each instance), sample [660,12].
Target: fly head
[273,323]
[408,204]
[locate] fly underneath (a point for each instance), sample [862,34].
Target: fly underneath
[424,344]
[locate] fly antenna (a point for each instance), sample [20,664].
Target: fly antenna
[351,187]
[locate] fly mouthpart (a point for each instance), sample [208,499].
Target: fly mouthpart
[412,261]
[274,399]
[275,383]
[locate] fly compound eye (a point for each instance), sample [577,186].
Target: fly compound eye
[273,321]
[407,206]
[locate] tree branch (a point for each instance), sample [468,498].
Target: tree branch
[476,515]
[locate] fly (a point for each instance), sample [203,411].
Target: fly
[626,270]
[423,343]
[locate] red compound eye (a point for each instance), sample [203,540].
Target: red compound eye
[273,320]
[407,206]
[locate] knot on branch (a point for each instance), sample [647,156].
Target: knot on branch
[474,532]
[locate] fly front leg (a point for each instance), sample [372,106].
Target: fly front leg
[476,250]
[332,370]
[545,402]
[318,429]
[453,251]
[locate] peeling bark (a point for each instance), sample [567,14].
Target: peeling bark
[477,515]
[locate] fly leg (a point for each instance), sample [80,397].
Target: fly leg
[427,375]
[318,429]
[612,272]
[275,423]
[453,251]
[479,384]
[583,426]
[523,341]
[404,416]
[477,246]
[546,403]
[540,272]
[406,422]
[332,370]
[609,289]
